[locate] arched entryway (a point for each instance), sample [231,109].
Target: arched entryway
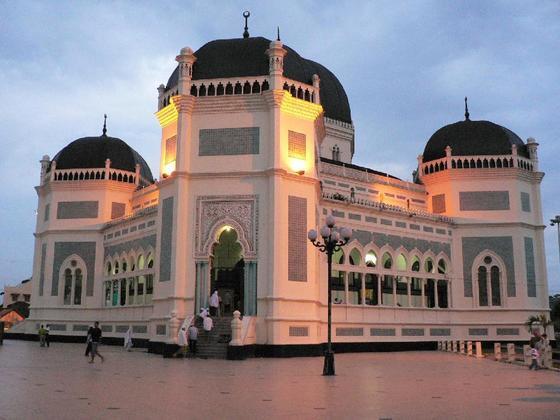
[227,268]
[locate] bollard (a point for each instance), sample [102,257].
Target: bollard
[511,352]
[462,347]
[479,354]
[439,345]
[454,346]
[469,348]
[449,346]
[548,357]
[498,352]
[527,354]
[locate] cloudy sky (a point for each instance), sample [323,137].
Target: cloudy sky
[406,67]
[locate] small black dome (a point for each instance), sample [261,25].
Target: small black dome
[243,57]
[91,152]
[469,138]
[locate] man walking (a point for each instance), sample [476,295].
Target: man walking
[95,340]
[193,337]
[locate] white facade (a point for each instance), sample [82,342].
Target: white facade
[411,273]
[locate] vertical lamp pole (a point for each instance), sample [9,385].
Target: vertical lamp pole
[332,242]
[556,221]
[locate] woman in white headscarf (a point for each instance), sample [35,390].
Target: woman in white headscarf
[128,339]
[182,342]
[214,304]
[207,322]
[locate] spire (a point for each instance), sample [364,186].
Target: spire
[466,110]
[104,125]
[278,33]
[246,15]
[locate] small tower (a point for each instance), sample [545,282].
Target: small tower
[276,54]
[532,146]
[161,92]
[44,167]
[186,61]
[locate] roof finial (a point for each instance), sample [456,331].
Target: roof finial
[246,15]
[278,33]
[466,110]
[105,125]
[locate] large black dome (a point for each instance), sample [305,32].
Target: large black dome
[469,138]
[91,152]
[241,57]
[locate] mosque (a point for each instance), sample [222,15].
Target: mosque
[257,145]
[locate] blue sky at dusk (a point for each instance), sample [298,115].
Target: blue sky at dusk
[406,67]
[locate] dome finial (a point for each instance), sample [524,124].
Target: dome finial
[278,33]
[246,15]
[104,125]
[466,110]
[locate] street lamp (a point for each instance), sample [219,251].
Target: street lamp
[556,221]
[333,240]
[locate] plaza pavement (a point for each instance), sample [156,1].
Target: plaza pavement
[58,383]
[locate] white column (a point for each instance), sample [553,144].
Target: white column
[422,285]
[379,279]
[436,300]
[408,281]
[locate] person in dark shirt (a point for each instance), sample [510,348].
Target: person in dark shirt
[95,339]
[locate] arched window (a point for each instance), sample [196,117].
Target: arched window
[371,259]
[150,260]
[220,90]
[78,287]
[495,285]
[72,280]
[482,287]
[67,286]
[141,262]
[441,266]
[355,257]
[415,264]
[108,269]
[489,281]
[116,268]
[401,262]
[338,257]
[429,266]
[123,266]
[387,261]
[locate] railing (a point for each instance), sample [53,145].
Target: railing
[337,197]
[139,213]
[476,162]
[89,174]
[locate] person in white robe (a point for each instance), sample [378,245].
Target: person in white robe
[128,339]
[182,342]
[214,304]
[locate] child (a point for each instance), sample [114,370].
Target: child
[534,358]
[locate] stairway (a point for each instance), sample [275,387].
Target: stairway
[213,344]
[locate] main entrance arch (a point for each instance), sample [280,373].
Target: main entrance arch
[226,269]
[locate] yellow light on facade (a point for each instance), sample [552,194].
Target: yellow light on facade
[169,168]
[298,165]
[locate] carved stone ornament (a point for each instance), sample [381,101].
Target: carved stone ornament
[215,212]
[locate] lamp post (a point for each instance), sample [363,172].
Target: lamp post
[556,221]
[333,240]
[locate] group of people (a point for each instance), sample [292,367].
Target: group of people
[187,340]
[538,345]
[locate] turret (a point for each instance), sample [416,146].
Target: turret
[532,146]
[186,60]
[44,167]
[276,54]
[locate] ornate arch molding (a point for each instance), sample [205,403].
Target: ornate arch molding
[239,211]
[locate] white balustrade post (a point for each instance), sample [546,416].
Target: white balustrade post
[469,348]
[454,346]
[498,352]
[527,354]
[479,354]
[450,346]
[462,347]
[511,352]
[236,325]
[439,345]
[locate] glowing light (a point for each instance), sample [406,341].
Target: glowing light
[298,165]
[169,168]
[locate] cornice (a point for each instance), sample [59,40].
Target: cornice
[236,174]
[460,224]
[83,185]
[483,173]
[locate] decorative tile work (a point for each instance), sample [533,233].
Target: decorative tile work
[122,328]
[370,219]
[107,328]
[296,145]
[77,210]
[507,331]
[386,222]
[349,332]
[438,203]
[117,210]
[500,245]
[353,216]
[144,243]
[299,331]
[166,242]
[297,238]
[85,250]
[483,200]
[440,332]
[170,149]
[228,141]
[400,224]
[478,331]
[161,329]
[382,332]
[140,329]
[530,267]
[42,269]
[82,327]
[337,213]
[525,202]
[396,241]
[412,332]
[47,212]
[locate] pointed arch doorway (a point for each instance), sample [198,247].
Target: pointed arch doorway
[227,271]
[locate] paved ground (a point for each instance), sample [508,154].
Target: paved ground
[58,382]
